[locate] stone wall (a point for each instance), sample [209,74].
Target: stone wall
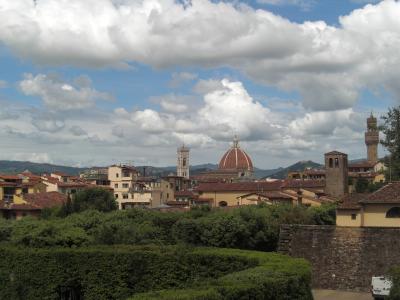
[343,258]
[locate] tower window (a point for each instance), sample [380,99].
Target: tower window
[330,163]
[336,162]
[353,216]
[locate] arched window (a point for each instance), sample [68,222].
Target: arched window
[223,204]
[394,212]
[331,163]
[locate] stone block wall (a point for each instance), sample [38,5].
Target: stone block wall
[343,258]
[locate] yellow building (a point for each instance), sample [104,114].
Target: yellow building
[308,192]
[378,209]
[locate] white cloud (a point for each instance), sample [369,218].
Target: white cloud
[326,65]
[151,136]
[173,107]
[59,95]
[33,157]
[178,79]
[77,131]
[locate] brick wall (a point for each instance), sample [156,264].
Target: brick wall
[343,257]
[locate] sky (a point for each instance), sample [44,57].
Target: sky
[97,82]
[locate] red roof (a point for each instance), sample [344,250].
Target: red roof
[71,184]
[293,183]
[390,193]
[270,195]
[236,159]
[184,194]
[10,177]
[350,201]
[362,164]
[37,201]
[5,183]
[43,200]
[239,186]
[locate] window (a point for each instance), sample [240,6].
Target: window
[116,196]
[331,163]
[116,185]
[167,195]
[125,196]
[126,174]
[117,175]
[184,162]
[336,162]
[223,204]
[125,185]
[394,212]
[353,216]
[25,190]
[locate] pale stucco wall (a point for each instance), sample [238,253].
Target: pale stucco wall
[375,215]
[229,197]
[343,218]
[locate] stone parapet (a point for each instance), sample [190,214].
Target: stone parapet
[342,258]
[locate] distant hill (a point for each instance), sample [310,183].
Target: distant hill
[14,167]
[299,166]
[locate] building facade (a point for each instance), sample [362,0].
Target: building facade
[378,209]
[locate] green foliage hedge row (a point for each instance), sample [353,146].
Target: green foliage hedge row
[275,277]
[395,290]
[119,272]
[252,227]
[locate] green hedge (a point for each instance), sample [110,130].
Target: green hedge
[119,272]
[395,290]
[274,277]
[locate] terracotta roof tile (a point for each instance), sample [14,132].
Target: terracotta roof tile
[45,200]
[351,201]
[239,186]
[293,183]
[390,193]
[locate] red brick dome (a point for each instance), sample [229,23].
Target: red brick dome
[236,159]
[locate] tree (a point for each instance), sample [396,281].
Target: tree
[391,129]
[93,198]
[362,185]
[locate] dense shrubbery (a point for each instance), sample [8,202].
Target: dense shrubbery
[251,227]
[120,272]
[275,277]
[395,290]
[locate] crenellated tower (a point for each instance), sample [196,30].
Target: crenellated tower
[372,139]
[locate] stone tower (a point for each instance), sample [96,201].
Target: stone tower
[336,174]
[183,162]
[372,139]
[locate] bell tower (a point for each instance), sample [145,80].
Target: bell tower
[372,139]
[183,162]
[336,166]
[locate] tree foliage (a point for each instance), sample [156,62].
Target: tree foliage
[391,141]
[93,198]
[249,227]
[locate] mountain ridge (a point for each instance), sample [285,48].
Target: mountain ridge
[14,167]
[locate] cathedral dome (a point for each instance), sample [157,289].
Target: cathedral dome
[236,159]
